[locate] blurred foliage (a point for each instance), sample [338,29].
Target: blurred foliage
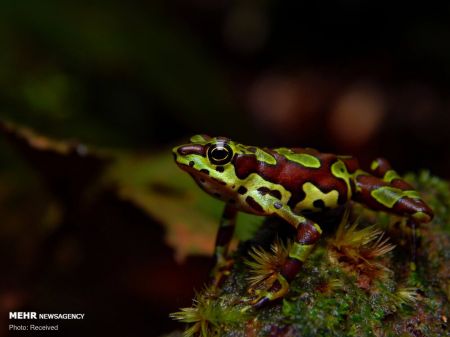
[68,81]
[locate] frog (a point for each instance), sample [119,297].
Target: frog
[292,184]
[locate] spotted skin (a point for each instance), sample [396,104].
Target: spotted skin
[290,183]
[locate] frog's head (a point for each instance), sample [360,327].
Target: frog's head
[209,160]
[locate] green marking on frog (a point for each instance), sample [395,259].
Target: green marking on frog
[304,159]
[265,157]
[388,196]
[300,251]
[391,175]
[340,170]
[374,165]
[260,154]
[199,139]
[330,199]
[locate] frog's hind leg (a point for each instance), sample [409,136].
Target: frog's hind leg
[392,194]
[399,197]
[382,169]
[379,167]
[387,191]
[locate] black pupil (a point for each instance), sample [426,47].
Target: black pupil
[219,154]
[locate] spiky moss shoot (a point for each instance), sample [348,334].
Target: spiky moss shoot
[330,286]
[265,265]
[407,296]
[358,251]
[210,315]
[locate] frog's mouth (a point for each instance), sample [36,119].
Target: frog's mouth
[203,179]
[199,176]
[189,168]
[205,182]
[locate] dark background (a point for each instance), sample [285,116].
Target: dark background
[348,77]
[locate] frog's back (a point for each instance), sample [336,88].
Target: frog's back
[313,180]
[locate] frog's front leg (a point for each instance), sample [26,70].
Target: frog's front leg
[222,263]
[308,233]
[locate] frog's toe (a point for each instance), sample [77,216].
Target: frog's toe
[278,290]
[260,302]
[221,272]
[264,298]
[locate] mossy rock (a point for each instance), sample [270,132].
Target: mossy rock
[369,289]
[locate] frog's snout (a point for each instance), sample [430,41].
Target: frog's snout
[184,150]
[175,153]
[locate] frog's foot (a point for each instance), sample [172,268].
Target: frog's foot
[220,272]
[278,288]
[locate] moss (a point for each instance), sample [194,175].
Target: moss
[329,298]
[210,314]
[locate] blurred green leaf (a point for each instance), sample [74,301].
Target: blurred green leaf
[117,39]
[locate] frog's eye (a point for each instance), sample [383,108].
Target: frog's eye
[220,154]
